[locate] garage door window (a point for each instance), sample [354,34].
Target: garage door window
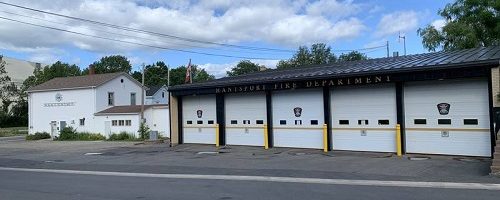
[282,122]
[199,122]
[383,122]
[344,122]
[314,122]
[444,121]
[363,122]
[189,122]
[234,121]
[246,121]
[298,122]
[259,121]
[210,122]
[420,121]
[470,122]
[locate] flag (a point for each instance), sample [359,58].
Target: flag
[189,79]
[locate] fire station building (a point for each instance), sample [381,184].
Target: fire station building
[432,103]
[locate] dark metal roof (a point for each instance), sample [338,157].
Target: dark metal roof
[75,82]
[127,109]
[426,61]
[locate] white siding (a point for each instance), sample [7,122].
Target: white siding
[40,116]
[133,129]
[121,93]
[158,120]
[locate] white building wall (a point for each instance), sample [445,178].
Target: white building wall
[158,120]
[121,93]
[44,108]
[101,120]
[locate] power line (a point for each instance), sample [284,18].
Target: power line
[134,43]
[132,36]
[145,31]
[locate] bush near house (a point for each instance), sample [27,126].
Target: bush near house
[38,136]
[122,136]
[69,133]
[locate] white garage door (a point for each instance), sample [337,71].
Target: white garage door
[245,119]
[448,117]
[298,118]
[364,118]
[199,119]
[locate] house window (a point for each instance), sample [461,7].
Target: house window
[82,122]
[132,99]
[111,98]
[114,123]
[163,95]
[121,122]
[128,122]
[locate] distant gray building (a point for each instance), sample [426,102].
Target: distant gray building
[19,70]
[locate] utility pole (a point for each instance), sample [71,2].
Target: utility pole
[387,45]
[168,77]
[404,41]
[142,93]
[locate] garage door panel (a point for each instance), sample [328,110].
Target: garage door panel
[298,138]
[241,136]
[199,127]
[245,118]
[303,130]
[468,99]
[380,141]
[455,144]
[369,104]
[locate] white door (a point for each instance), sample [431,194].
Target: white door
[298,118]
[53,129]
[364,118]
[448,117]
[107,128]
[199,115]
[245,118]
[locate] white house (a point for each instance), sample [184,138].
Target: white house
[157,95]
[97,103]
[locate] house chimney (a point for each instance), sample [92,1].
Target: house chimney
[395,54]
[91,70]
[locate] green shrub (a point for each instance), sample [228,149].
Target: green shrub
[122,136]
[144,131]
[69,133]
[38,136]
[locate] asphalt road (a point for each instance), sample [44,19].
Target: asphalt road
[39,185]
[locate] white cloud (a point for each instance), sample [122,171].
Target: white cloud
[282,22]
[397,21]
[439,24]
[219,70]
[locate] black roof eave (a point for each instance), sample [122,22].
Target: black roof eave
[485,63]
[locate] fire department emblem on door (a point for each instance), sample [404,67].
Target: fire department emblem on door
[199,113]
[443,108]
[297,111]
[59,97]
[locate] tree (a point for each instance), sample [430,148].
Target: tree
[244,67]
[352,56]
[469,24]
[58,69]
[7,89]
[156,74]
[111,64]
[317,54]
[178,75]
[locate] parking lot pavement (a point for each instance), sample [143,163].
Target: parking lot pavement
[241,160]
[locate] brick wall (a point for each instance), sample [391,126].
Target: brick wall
[495,80]
[174,125]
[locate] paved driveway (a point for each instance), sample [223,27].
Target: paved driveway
[239,160]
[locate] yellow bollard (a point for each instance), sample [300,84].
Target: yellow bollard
[325,138]
[266,139]
[399,151]
[217,135]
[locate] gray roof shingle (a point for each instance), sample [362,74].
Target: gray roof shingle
[74,82]
[129,109]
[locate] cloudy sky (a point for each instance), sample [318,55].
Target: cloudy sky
[270,27]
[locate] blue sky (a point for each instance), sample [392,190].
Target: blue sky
[281,24]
